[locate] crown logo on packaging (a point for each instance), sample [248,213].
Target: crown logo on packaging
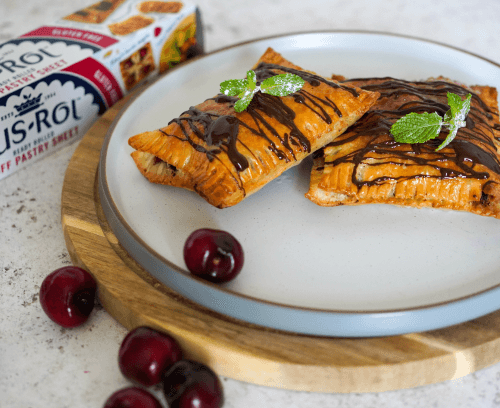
[28,105]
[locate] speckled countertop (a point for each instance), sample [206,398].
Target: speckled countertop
[43,365]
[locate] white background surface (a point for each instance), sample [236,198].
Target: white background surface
[42,365]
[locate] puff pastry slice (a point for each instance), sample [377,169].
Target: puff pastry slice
[225,156]
[160,6]
[95,13]
[366,165]
[130,25]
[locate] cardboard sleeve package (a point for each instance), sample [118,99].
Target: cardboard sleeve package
[55,81]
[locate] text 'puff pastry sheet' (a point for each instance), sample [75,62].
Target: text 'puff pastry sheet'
[225,156]
[366,165]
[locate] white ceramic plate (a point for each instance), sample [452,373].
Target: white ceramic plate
[368,270]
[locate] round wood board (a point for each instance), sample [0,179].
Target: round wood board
[247,352]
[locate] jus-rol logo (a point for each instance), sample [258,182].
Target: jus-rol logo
[39,113]
[19,55]
[23,62]
[26,60]
[43,118]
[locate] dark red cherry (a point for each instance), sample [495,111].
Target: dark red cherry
[132,397]
[128,63]
[213,255]
[146,354]
[157,31]
[143,52]
[67,296]
[189,384]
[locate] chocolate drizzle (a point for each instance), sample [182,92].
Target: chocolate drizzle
[265,70]
[474,144]
[219,133]
[223,133]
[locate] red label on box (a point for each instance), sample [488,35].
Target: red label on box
[100,40]
[100,76]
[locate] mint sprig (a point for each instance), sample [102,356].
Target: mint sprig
[421,127]
[245,89]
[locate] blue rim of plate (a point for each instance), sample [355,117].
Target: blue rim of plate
[289,318]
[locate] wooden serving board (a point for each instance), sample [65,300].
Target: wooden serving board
[248,352]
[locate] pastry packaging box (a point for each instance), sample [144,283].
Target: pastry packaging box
[57,80]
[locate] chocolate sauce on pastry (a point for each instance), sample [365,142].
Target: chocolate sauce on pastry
[474,144]
[220,133]
[367,165]
[225,156]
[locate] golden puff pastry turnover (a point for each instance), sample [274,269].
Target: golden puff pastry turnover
[366,165]
[226,155]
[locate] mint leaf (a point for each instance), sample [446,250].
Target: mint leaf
[282,85]
[244,101]
[421,127]
[252,80]
[453,132]
[233,87]
[455,117]
[417,127]
[459,106]
[448,116]
[245,89]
